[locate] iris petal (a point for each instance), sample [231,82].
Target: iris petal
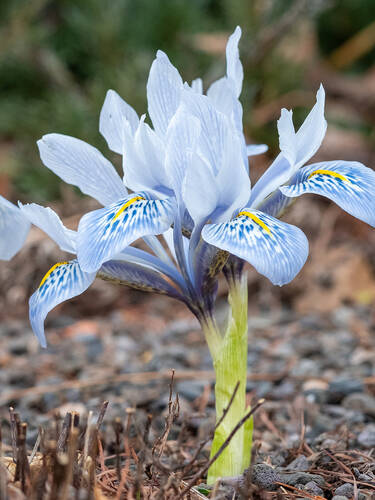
[348,183]
[14,228]
[105,232]
[62,282]
[276,249]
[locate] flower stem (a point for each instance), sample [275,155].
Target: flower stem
[230,364]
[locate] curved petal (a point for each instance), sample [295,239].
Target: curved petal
[105,232]
[164,88]
[234,66]
[348,183]
[256,149]
[14,228]
[276,249]
[82,165]
[63,281]
[49,222]
[138,277]
[287,136]
[111,122]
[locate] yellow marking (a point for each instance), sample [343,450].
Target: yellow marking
[51,271]
[328,172]
[126,205]
[256,220]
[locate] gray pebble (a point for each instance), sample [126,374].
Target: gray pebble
[299,464]
[367,437]
[312,487]
[303,478]
[264,476]
[339,497]
[346,490]
[341,387]
[361,402]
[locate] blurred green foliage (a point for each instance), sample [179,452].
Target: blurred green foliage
[58,59]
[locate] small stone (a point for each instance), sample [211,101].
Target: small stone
[361,402]
[339,497]
[312,487]
[367,437]
[299,464]
[264,476]
[346,490]
[341,387]
[303,478]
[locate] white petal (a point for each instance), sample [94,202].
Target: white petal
[197,85]
[82,165]
[14,228]
[287,136]
[256,149]
[112,116]
[164,88]
[312,131]
[49,222]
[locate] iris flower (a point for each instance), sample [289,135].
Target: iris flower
[14,228]
[189,180]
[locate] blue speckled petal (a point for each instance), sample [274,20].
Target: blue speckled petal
[348,183]
[62,282]
[276,249]
[105,232]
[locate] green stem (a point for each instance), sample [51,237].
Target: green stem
[230,364]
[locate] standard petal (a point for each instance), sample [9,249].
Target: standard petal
[276,249]
[105,232]
[14,228]
[311,133]
[348,183]
[114,111]
[234,66]
[137,276]
[82,165]
[49,222]
[197,85]
[143,160]
[63,281]
[287,136]
[164,88]
[181,141]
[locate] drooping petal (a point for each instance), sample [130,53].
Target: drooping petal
[14,228]
[234,66]
[348,183]
[63,281]
[105,232]
[82,165]
[256,149]
[164,88]
[114,111]
[49,222]
[138,277]
[276,249]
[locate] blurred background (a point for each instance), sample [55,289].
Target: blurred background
[57,61]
